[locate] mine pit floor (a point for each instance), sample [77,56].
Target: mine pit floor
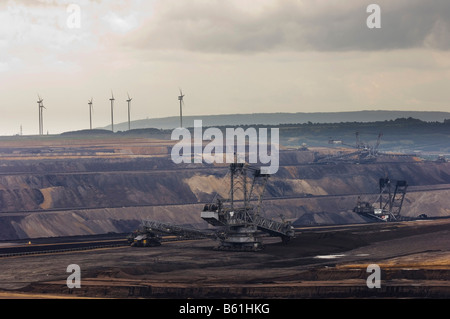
[414,259]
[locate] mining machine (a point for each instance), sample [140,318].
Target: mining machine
[363,152]
[388,204]
[239,216]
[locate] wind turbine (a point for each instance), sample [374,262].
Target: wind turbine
[90,112]
[112,111]
[39,101]
[180,98]
[129,101]
[41,117]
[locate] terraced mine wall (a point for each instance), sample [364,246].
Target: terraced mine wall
[65,197]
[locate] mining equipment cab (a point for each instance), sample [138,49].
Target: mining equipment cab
[389,203]
[239,216]
[144,237]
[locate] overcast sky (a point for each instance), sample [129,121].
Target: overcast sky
[228,56]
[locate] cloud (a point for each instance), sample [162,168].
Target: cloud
[228,26]
[293,25]
[273,55]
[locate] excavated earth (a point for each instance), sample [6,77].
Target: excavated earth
[65,187]
[414,258]
[55,186]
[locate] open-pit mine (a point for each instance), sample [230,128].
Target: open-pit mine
[79,188]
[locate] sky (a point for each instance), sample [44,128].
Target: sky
[228,56]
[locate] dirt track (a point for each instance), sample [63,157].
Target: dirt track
[324,262]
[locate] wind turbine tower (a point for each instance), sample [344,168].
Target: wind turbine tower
[90,112]
[39,101]
[112,111]
[41,115]
[180,98]
[129,102]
